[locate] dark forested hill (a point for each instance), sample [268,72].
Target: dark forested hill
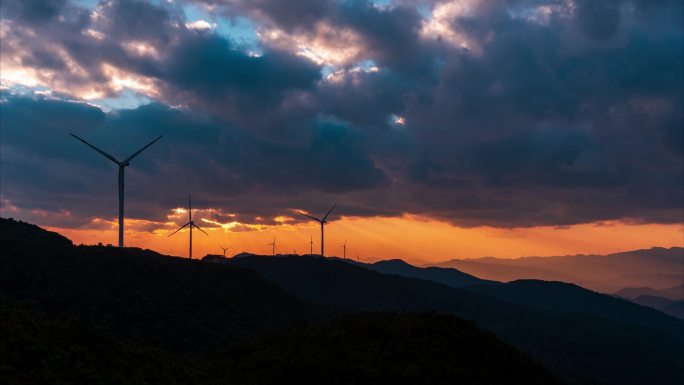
[180,303]
[203,320]
[377,348]
[583,347]
[567,297]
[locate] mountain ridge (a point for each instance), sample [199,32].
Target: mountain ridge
[655,267]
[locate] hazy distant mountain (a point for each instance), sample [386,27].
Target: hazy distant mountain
[582,345]
[446,276]
[656,267]
[652,301]
[674,293]
[675,309]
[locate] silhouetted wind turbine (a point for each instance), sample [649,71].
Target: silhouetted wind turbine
[345,249]
[190,225]
[310,244]
[322,222]
[273,244]
[224,250]
[122,164]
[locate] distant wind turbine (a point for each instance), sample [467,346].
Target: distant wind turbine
[273,244]
[122,164]
[310,244]
[224,250]
[190,225]
[344,247]
[322,222]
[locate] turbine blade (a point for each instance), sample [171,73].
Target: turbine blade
[329,211]
[98,150]
[199,228]
[141,150]
[179,229]
[314,218]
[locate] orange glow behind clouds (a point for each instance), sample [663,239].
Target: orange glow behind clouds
[415,239]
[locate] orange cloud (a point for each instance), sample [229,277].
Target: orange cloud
[416,239]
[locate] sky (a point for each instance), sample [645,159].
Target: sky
[442,129]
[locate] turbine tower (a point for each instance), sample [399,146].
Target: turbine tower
[190,225]
[310,244]
[122,164]
[344,247]
[273,244]
[322,222]
[224,250]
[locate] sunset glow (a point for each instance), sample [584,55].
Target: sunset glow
[415,239]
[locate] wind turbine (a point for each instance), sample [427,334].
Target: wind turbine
[273,244]
[122,164]
[310,244]
[190,225]
[345,249]
[224,250]
[322,222]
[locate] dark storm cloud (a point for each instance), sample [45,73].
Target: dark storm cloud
[33,11]
[558,112]
[212,68]
[223,165]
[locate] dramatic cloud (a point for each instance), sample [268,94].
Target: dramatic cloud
[478,112]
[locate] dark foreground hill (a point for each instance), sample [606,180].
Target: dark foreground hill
[584,348]
[361,349]
[197,310]
[567,297]
[179,303]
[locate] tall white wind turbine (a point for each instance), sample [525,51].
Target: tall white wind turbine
[190,225]
[122,164]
